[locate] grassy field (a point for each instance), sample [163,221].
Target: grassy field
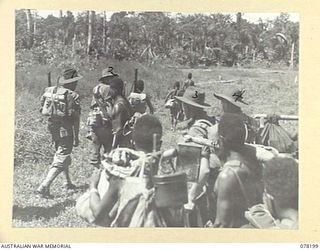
[267,91]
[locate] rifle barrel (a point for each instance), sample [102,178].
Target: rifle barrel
[49,79]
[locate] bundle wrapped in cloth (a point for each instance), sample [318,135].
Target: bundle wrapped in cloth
[133,168]
[276,136]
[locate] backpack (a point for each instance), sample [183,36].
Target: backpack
[138,101]
[57,103]
[204,128]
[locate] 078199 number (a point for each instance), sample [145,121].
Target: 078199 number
[309,246]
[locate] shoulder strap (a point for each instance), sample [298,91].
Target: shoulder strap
[203,125]
[241,184]
[53,91]
[204,121]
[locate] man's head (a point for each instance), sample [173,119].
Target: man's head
[232,132]
[139,86]
[193,102]
[116,86]
[143,133]
[191,111]
[176,85]
[229,107]
[69,78]
[281,181]
[232,100]
[189,75]
[107,75]
[106,80]
[72,86]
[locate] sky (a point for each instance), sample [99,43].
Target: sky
[251,17]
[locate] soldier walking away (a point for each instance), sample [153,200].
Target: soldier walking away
[121,114]
[139,100]
[175,107]
[189,82]
[62,105]
[99,120]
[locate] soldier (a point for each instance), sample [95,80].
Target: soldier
[232,102]
[175,107]
[63,124]
[99,120]
[200,125]
[121,114]
[139,100]
[143,137]
[189,82]
[280,208]
[239,184]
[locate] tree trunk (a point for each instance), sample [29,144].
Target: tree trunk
[29,28]
[90,29]
[254,57]
[35,24]
[28,13]
[292,53]
[239,21]
[104,35]
[74,39]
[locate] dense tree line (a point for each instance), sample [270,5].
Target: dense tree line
[148,36]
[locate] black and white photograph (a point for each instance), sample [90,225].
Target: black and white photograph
[156,119]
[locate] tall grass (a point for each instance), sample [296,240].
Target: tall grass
[33,147]
[266,91]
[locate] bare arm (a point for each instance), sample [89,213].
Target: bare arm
[117,118]
[225,186]
[168,96]
[197,188]
[101,207]
[149,104]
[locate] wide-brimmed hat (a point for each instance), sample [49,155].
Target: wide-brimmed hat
[107,73]
[234,96]
[69,76]
[194,97]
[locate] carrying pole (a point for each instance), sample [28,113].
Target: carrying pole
[281,117]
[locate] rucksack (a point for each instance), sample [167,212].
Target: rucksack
[138,101]
[204,128]
[57,102]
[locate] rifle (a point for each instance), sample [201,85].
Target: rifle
[135,80]
[49,79]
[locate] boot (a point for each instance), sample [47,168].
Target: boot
[43,191]
[68,185]
[44,188]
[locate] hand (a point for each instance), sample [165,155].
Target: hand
[94,180]
[205,152]
[262,122]
[76,142]
[187,138]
